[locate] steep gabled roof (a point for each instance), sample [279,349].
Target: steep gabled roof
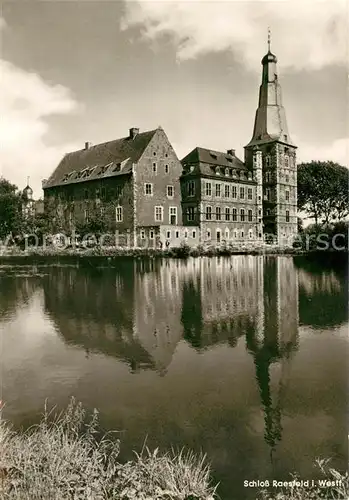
[207,161]
[102,160]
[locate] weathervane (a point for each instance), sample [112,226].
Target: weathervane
[269,38]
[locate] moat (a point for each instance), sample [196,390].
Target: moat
[242,357]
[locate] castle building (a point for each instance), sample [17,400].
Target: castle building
[129,185]
[137,186]
[219,196]
[272,155]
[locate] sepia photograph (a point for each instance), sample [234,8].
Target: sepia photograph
[174,221]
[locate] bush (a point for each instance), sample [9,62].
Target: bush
[63,458]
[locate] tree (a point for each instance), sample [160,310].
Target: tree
[323,190]
[10,209]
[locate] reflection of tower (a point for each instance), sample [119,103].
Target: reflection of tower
[275,339]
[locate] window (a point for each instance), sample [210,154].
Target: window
[242,215]
[208,234]
[227,213]
[267,176]
[227,172]
[173,215]
[287,178]
[287,196]
[287,216]
[233,192]
[166,169]
[151,233]
[267,161]
[242,193]
[97,194]
[155,168]
[191,188]
[154,154]
[242,234]
[250,234]
[170,191]
[208,189]
[235,217]
[208,213]
[285,137]
[235,233]
[227,234]
[268,194]
[218,189]
[148,189]
[118,190]
[168,234]
[86,216]
[166,155]
[159,213]
[218,213]
[249,193]
[286,161]
[250,216]
[193,234]
[185,234]
[267,212]
[119,214]
[177,234]
[143,235]
[190,213]
[227,190]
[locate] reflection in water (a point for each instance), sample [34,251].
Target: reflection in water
[133,314]
[147,313]
[276,338]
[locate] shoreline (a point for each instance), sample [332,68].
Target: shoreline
[110,256]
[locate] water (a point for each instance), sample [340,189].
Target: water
[244,358]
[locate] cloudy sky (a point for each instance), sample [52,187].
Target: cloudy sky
[76,71]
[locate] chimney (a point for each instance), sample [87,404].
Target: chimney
[231,152]
[88,145]
[133,132]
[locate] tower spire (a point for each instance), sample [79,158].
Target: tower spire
[269,38]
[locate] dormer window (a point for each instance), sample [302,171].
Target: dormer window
[285,137]
[192,168]
[218,171]
[227,172]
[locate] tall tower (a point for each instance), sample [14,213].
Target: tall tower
[279,171]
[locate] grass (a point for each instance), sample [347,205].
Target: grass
[63,458]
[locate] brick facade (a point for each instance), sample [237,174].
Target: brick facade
[137,185]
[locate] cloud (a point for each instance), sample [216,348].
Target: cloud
[338,152]
[306,34]
[26,101]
